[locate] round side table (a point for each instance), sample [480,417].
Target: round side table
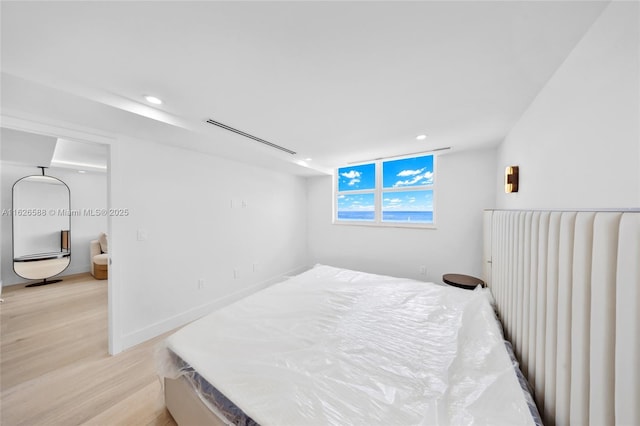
[462,281]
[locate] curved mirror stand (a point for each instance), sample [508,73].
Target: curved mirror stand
[41,228]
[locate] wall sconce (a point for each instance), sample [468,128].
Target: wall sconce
[511,179]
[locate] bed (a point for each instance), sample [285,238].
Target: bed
[335,346]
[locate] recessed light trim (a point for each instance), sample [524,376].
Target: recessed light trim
[421,137]
[153,100]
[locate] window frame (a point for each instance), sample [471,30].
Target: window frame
[378,192]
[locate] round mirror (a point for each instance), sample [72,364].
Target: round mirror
[41,227]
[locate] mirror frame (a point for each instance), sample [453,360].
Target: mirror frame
[64,236]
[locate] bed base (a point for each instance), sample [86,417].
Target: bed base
[186,408]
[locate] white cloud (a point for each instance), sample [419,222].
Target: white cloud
[351,174]
[405,173]
[426,176]
[393,203]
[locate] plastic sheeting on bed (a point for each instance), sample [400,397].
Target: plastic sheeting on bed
[333,346]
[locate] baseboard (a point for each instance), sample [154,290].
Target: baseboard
[76,270]
[153,330]
[69,272]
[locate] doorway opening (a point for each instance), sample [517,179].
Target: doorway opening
[83,161]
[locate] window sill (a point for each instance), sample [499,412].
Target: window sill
[385,225]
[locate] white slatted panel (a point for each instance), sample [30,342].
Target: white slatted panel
[627,379]
[501,261]
[526,295]
[511,275]
[520,288]
[496,240]
[533,300]
[567,288]
[565,283]
[603,299]
[551,309]
[543,242]
[581,318]
[486,248]
[498,262]
[504,270]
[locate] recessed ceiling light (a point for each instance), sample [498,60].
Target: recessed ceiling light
[421,137]
[307,159]
[82,171]
[153,100]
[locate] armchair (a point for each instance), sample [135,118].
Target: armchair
[99,257]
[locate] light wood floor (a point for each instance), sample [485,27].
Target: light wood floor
[54,365]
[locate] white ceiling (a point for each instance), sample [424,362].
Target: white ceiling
[26,149]
[78,155]
[34,150]
[334,81]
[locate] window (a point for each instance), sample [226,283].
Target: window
[387,192]
[356,196]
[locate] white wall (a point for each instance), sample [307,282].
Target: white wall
[88,191]
[203,217]
[465,187]
[578,145]
[2,231]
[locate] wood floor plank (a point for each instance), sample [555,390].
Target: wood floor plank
[143,407]
[54,365]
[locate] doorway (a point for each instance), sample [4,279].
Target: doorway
[78,161]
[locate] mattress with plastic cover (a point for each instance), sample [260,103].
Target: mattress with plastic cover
[334,346]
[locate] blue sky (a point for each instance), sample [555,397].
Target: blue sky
[408,172]
[357,177]
[356,202]
[406,201]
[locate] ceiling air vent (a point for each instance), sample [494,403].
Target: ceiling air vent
[247,135]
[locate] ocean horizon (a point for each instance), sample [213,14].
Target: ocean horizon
[388,216]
